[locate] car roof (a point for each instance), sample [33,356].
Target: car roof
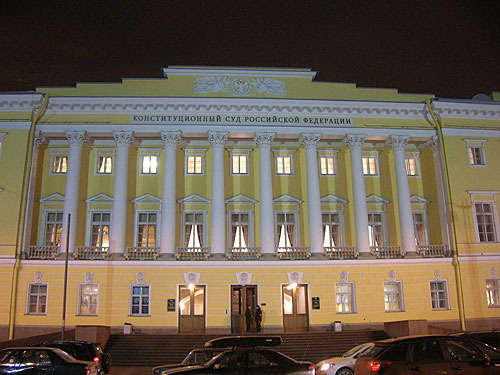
[243,341]
[409,338]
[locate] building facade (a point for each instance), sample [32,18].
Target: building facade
[172,204]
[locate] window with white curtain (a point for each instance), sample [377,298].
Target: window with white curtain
[100,229]
[345,297]
[420,228]
[286,230]
[493,292]
[240,229]
[376,229]
[53,228]
[393,296]
[146,229]
[331,229]
[194,223]
[88,299]
[59,164]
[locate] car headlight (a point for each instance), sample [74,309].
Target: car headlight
[325,366]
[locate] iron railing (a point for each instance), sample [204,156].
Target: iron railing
[433,251]
[341,252]
[192,253]
[293,253]
[141,253]
[387,251]
[243,253]
[91,253]
[43,252]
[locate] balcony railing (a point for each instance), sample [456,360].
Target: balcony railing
[141,253]
[91,253]
[341,252]
[42,252]
[293,253]
[192,253]
[387,251]
[433,251]
[243,253]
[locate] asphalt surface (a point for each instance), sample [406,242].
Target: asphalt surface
[129,370]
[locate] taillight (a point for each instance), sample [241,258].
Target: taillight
[311,369]
[97,359]
[375,366]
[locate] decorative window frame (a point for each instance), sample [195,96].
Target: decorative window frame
[378,205]
[495,279]
[150,204]
[194,203]
[401,295]
[239,152]
[446,289]
[280,152]
[374,154]
[137,284]
[419,205]
[58,152]
[43,230]
[149,152]
[413,155]
[101,152]
[353,295]
[485,197]
[79,305]
[195,152]
[241,204]
[28,294]
[332,204]
[51,203]
[480,144]
[97,203]
[328,154]
[287,204]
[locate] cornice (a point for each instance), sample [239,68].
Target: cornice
[468,110]
[20,101]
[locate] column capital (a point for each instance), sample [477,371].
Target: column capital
[217,139]
[398,141]
[262,139]
[123,137]
[76,137]
[171,138]
[40,139]
[310,140]
[353,140]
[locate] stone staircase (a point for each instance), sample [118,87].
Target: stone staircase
[151,350]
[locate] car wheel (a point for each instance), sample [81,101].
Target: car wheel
[344,371]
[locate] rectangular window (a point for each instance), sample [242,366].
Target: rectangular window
[89,296]
[284,165]
[146,229]
[439,295]
[369,165]
[195,164]
[149,164]
[104,164]
[53,228]
[344,297]
[420,228]
[285,228]
[193,229]
[493,292]
[327,165]
[59,164]
[239,164]
[486,223]
[140,300]
[375,229]
[393,296]
[411,164]
[331,229]
[100,229]
[240,225]
[476,155]
[37,298]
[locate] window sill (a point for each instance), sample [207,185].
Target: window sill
[139,315]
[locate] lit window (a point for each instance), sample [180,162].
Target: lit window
[327,165]
[37,298]
[286,231]
[393,296]
[146,229]
[149,164]
[104,164]
[239,164]
[331,229]
[493,292]
[100,229]
[240,225]
[89,295]
[476,155]
[486,223]
[375,229]
[283,165]
[53,228]
[369,165]
[420,228]
[60,164]
[439,295]
[140,300]
[411,166]
[344,298]
[195,164]
[193,229]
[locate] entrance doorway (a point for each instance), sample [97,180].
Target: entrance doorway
[241,298]
[295,308]
[191,308]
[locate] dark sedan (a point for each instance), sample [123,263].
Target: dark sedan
[38,361]
[195,357]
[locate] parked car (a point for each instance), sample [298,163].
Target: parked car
[39,360]
[195,357]
[488,337]
[343,365]
[84,351]
[429,354]
[247,355]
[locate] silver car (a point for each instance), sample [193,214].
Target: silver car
[343,365]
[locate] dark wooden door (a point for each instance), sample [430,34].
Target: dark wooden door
[241,298]
[295,308]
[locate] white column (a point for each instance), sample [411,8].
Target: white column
[167,235]
[218,232]
[117,231]
[313,195]
[267,245]
[355,143]
[404,203]
[75,140]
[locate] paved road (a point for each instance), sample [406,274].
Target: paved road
[128,370]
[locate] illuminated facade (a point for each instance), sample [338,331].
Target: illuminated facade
[184,199]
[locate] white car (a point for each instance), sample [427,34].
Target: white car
[343,365]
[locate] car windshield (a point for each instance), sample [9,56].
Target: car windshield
[490,351]
[354,350]
[82,352]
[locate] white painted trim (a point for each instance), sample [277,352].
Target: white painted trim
[354,299]
[130,301]
[341,225]
[447,295]
[158,225]
[230,71]
[79,295]
[239,152]
[27,301]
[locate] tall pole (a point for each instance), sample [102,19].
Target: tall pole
[65,280]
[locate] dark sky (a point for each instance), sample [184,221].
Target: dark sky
[446,48]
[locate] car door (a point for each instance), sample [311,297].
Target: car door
[231,362]
[426,357]
[466,359]
[262,362]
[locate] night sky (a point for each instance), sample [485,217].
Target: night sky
[447,48]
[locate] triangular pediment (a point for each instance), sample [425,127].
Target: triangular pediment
[376,199]
[193,198]
[146,198]
[53,198]
[415,199]
[100,198]
[240,198]
[332,199]
[287,199]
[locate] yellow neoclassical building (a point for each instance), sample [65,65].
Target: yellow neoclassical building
[173,204]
